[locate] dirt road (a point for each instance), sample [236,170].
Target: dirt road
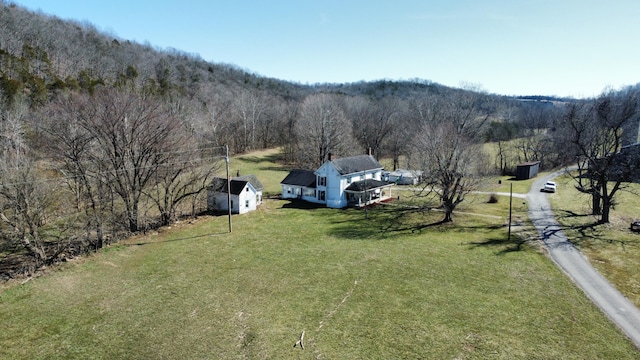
[618,308]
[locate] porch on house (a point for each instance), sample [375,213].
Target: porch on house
[366,192]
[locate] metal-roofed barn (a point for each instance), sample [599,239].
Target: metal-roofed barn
[527,170]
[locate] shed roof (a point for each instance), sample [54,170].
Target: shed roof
[252,179]
[530,163]
[220,185]
[354,164]
[300,177]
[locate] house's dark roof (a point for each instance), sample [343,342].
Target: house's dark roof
[220,185]
[354,164]
[253,180]
[367,184]
[299,177]
[237,184]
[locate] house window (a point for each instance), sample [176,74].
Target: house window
[321,195]
[322,181]
[309,192]
[349,180]
[246,203]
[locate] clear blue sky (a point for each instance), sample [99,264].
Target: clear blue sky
[512,47]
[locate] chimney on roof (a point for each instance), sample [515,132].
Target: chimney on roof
[329,157]
[369,151]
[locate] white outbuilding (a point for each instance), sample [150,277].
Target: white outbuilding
[245,194]
[403,177]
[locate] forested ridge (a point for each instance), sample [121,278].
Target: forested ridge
[42,56]
[102,136]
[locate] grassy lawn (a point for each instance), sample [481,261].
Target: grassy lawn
[263,165]
[611,248]
[374,285]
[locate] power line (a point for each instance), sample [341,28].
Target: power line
[109,172]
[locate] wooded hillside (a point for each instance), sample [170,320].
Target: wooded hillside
[42,56]
[101,136]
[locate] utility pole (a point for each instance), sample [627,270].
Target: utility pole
[510,212]
[226,160]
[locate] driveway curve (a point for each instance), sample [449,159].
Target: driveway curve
[617,307]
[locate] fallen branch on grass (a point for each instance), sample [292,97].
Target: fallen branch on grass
[300,341]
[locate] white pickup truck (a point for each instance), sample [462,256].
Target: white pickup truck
[549,186]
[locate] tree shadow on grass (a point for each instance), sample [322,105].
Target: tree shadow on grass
[595,232]
[302,205]
[149,240]
[151,235]
[274,168]
[592,231]
[268,160]
[564,214]
[382,222]
[503,245]
[273,158]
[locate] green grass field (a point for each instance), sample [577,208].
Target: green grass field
[374,285]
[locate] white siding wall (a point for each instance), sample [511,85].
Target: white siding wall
[220,202]
[335,188]
[291,192]
[240,204]
[247,200]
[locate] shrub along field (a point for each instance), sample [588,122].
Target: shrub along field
[375,284]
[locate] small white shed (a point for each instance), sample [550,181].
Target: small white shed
[245,194]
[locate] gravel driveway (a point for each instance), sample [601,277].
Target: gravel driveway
[618,308]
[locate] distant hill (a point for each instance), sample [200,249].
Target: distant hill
[544,99]
[42,54]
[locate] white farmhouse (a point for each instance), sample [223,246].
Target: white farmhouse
[338,183]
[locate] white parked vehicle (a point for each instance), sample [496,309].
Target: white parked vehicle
[549,186]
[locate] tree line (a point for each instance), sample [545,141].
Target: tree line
[102,137]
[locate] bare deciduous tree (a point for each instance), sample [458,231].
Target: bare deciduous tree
[322,129]
[450,163]
[373,122]
[288,133]
[249,110]
[187,174]
[24,202]
[129,137]
[25,199]
[449,150]
[598,131]
[73,148]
